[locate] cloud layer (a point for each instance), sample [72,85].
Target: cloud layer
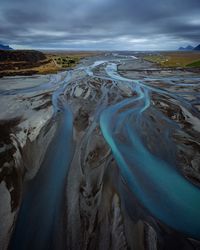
[100,24]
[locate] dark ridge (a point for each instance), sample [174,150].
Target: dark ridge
[31,56]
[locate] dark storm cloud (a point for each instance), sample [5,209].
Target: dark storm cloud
[100,24]
[20,17]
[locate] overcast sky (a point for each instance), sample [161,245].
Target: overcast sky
[100,24]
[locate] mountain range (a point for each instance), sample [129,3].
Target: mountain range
[189,48]
[5,47]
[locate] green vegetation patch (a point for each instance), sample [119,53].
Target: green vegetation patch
[66,61]
[194,64]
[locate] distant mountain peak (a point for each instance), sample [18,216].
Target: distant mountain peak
[187,48]
[197,47]
[5,47]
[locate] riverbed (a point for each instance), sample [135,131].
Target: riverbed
[116,143]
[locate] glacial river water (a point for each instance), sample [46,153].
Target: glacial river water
[169,196]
